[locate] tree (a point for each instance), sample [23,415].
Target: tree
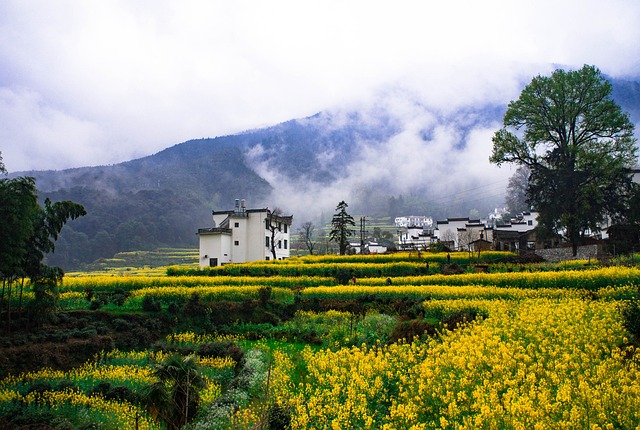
[3,169]
[579,146]
[306,235]
[340,231]
[275,222]
[27,233]
[516,198]
[174,398]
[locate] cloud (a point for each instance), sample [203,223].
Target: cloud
[111,81]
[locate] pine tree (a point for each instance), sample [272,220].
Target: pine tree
[340,231]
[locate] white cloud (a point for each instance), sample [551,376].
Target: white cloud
[119,79]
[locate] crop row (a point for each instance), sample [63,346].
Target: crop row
[179,295]
[591,279]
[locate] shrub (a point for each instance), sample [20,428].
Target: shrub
[118,299]
[410,329]
[95,304]
[194,307]
[264,294]
[150,304]
[630,311]
[278,418]
[343,275]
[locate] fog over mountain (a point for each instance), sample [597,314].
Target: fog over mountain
[395,153]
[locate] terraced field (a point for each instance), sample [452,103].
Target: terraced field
[377,342]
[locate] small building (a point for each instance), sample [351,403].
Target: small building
[241,235]
[415,237]
[457,233]
[518,235]
[370,247]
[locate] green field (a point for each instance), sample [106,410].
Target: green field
[381,341]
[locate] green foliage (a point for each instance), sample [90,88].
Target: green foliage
[278,418]
[578,145]
[344,275]
[27,233]
[175,396]
[18,213]
[630,311]
[150,304]
[264,294]
[341,230]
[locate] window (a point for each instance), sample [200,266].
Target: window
[279,244]
[285,243]
[266,224]
[237,224]
[530,222]
[236,242]
[266,242]
[266,258]
[285,229]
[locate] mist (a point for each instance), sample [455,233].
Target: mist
[439,152]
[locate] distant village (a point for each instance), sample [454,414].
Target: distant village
[241,235]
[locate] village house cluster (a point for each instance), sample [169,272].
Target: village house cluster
[241,235]
[465,234]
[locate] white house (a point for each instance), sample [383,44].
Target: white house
[453,231]
[414,220]
[242,235]
[415,237]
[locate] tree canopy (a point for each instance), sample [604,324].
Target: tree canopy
[28,232]
[340,227]
[578,145]
[516,198]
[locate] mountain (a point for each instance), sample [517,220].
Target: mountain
[394,156]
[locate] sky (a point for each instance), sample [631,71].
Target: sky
[100,82]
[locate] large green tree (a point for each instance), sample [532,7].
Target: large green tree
[578,145]
[341,230]
[28,232]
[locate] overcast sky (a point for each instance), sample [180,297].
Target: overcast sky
[98,82]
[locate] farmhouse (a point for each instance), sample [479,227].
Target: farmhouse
[242,235]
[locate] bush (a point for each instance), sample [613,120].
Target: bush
[278,418]
[343,275]
[264,294]
[150,304]
[95,304]
[118,299]
[410,329]
[194,307]
[630,311]
[224,348]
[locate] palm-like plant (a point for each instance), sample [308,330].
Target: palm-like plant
[174,398]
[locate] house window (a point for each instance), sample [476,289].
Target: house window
[285,242]
[266,258]
[530,222]
[266,241]
[237,224]
[285,229]
[266,224]
[236,242]
[279,244]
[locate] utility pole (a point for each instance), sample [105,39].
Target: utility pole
[362,226]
